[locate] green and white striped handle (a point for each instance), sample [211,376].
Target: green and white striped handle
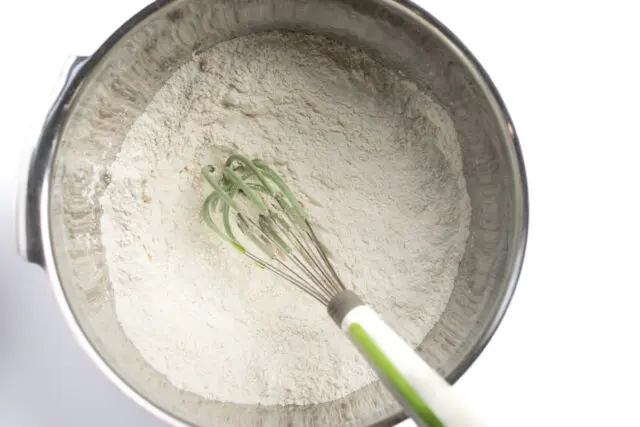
[422,392]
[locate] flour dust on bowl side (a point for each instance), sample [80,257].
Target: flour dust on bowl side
[374,105]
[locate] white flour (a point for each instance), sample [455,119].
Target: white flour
[379,158]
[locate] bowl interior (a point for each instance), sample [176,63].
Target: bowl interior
[145,53]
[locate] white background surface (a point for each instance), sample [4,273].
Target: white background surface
[567,352]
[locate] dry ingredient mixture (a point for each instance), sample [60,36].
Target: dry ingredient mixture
[378,167]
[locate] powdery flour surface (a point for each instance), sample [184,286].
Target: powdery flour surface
[378,167]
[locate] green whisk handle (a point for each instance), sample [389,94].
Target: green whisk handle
[422,392]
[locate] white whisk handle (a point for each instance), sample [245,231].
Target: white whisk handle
[422,392]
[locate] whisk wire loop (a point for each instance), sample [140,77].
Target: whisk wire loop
[277,225]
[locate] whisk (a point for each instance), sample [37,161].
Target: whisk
[251,197]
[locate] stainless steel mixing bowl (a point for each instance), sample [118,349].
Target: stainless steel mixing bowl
[103,94]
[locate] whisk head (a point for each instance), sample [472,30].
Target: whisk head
[252,198]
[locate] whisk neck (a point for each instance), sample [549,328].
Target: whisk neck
[341,304]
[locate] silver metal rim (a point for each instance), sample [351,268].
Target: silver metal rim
[36,238]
